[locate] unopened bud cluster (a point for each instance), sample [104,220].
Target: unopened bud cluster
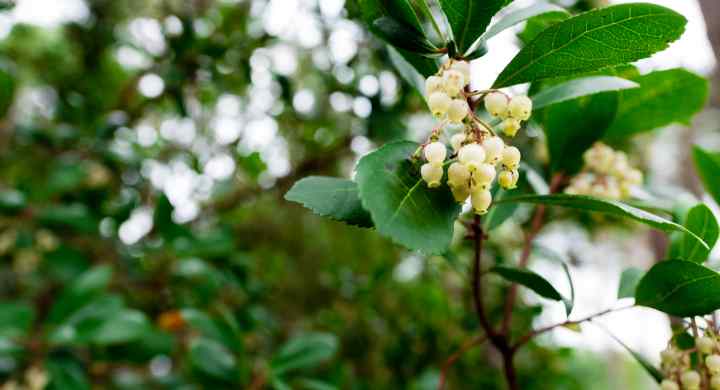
[511,110]
[606,174]
[444,92]
[478,156]
[679,372]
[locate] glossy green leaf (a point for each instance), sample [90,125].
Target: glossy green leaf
[573,126]
[610,207]
[7,87]
[407,71]
[593,40]
[402,36]
[701,221]
[469,18]
[537,24]
[707,164]
[664,97]
[680,288]
[497,215]
[122,327]
[556,257]
[576,88]
[304,351]
[402,207]
[629,279]
[331,197]
[519,16]
[402,11]
[649,367]
[529,279]
[213,359]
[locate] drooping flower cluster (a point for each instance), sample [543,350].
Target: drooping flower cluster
[680,373]
[606,174]
[477,152]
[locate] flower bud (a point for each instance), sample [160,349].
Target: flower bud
[439,103]
[493,149]
[690,380]
[715,382]
[432,173]
[511,157]
[464,68]
[458,175]
[460,193]
[599,158]
[667,384]
[713,363]
[456,141]
[484,174]
[508,179]
[496,104]
[704,344]
[433,84]
[472,155]
[454,82]
[510,126]
[667,355]
[458,110]
[435,152]
[520,107]
[634,177]
[481,201]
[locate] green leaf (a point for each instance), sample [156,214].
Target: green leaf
[664,97]
[701,221]
[540,23]
[304,351]
[576,88]
[629,280]
[649,368]
[402,207]
[213,359]
[552,255]
[314,384]
[403,11]
[86,287]
[497,215]
[516,17]
[407,71]
[611,207]
[331,197]
[707,165]
[574,126]
[528,279]
[680,288]
[403,36]
[76,216]
[16,318]
[469,18]
[593,40]
[122,327]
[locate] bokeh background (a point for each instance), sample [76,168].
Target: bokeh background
[145,146]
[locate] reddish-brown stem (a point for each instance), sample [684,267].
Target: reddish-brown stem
[537,223]
[477,340]
[499,341]
[529,336]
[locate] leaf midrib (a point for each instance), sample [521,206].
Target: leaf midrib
[677,287]
[571,41]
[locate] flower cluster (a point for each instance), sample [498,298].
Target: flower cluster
[477,152]
[606,174]
[677,368]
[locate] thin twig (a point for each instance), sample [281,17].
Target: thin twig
[535,226]
[477,340]
[529,336]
